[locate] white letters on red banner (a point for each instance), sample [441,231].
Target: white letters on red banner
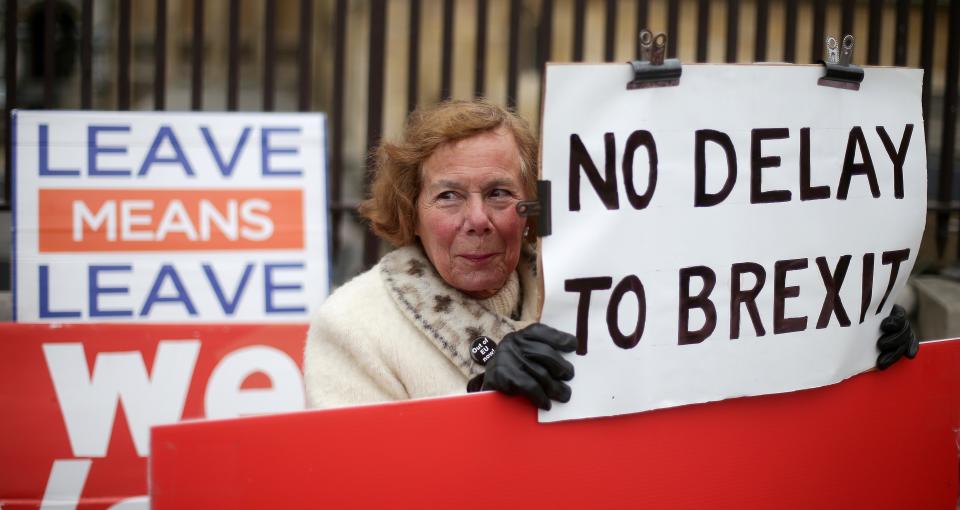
[79,400]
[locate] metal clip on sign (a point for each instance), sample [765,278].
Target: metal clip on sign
[539,208]
[652,70]
[840,72]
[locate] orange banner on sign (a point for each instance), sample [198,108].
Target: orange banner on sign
[91,220]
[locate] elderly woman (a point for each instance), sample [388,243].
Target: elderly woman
[427,319]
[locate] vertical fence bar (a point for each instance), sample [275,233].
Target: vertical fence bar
[926,60]
[876,32]
[733,29]
[790,32]
[846,18]
[643,10]
[49,41]
[160,57]
[269,53]
[196,75]
[123,57]
[513,47]
[446,57]
[544,33]
[544,36]
[86,54]
[819,26]
[902,27]
[760,44]
[947,143]
[10,79]
[336,121]
[673,28]
[610,30]
[305,55]
[413,55]
[703,29]
[233,55]
[579,19]
[480,58]
[378,28]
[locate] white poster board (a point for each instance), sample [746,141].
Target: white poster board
[714,283]
[169,217]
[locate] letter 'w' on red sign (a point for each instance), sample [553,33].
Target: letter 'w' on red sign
[89,403]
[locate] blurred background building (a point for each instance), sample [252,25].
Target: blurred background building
[368,62]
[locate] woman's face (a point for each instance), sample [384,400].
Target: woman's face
[466,216]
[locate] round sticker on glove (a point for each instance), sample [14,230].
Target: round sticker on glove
[482,349]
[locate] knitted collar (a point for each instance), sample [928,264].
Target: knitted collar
[447,316]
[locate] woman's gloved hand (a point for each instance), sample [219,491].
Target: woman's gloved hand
[897,340]
[528,362]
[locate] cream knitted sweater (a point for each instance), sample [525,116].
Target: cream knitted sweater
[399,332]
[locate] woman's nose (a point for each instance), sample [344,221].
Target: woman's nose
[477,218]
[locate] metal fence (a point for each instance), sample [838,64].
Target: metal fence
[329,38]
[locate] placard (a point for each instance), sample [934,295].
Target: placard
[743,233]
[168,217]
[79,400]
[881,441]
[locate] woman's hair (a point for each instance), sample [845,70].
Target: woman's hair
[392,206]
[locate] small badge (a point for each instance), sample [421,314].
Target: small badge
[482,349]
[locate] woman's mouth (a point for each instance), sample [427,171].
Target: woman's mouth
[478,258]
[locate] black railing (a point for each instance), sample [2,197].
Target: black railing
[525,52]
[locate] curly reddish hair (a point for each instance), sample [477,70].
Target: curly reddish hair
[392,206]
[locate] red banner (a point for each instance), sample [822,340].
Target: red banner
[881,440]
[79,400]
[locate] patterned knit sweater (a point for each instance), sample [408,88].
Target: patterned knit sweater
[399,332]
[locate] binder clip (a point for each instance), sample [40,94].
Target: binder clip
[652,70]
[539,208]
[840,72]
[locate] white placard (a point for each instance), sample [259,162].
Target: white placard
[829,191]
[169,217]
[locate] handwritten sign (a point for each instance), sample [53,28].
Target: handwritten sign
[743,233]
[169,217]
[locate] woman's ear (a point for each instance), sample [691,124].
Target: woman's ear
[530,231]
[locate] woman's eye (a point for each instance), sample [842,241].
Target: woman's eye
[500,193]
[447,195]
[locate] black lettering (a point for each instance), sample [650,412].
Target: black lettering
[808,192]
[781,292]
[758,162]
[629,284]
[606,188]
[634,141]
[701,301]
[866,285]
[897,156]
[746,297]
[892,258]
[701,198]
[585,286]
[855,141]
[832,283]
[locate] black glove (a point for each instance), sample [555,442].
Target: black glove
[897,339]
[528,362]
